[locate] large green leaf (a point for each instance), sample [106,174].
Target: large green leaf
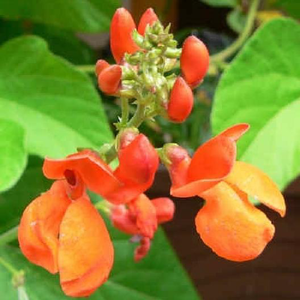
[262,88]
[12,153]
[228,3]
[56,104]
[158,277]
[76,15]
[14,201]
[292,7]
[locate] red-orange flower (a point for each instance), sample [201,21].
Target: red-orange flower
[67,236]
[228,223]
[140,218]
[138,162]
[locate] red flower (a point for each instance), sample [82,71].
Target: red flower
[140,218]
[194,61]
[228,223]
[138,162]
[67,236]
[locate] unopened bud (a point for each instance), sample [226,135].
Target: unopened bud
[194,61]
[121,29]
[109,79]
[181,101]
[148,18]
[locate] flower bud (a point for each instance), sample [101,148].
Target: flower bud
[109,79]
[181,101]
[149,17]
[194,61]
[100,66]
[121,42]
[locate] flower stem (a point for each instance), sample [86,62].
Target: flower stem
[237,44]
[8,267]
[138,117]
[125,111]
[86,68]
[9,236]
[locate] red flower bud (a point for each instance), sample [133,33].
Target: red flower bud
[109,79]
[194,61]
[121,28]
[181,101]
[149,17]
[100,66]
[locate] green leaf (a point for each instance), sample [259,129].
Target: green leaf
[14,201]
[236,19]
[76,15]
[262,88]
[56,104]
[12,153]
[228,3]
[291,7]
[159,276]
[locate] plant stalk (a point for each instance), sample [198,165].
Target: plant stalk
[237,44]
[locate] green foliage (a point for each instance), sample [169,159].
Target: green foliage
[75,15]
[14,201]
[12,153]
[228,3]
[56,104]
[236,19]
[292,7]
[262,87]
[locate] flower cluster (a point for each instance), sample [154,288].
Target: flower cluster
[63,232]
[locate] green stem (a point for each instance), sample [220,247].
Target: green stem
[138,117]
[8,267]
[237,44]
[125,111]
[86,68]
[9,236]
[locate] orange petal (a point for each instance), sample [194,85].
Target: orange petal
[231,226]
[236,131]
[86,253]
[165,209]
[145,214]
[122,220]
[258,185]
[39,227]
[94,172]
[178,162]
[121,28]
[210,164]
[148,18]
[138,161]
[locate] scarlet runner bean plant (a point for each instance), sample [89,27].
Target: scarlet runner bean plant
[63,232]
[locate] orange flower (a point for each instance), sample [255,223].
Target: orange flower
[138,162]
[67,236]
[228,223]
[140,218]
